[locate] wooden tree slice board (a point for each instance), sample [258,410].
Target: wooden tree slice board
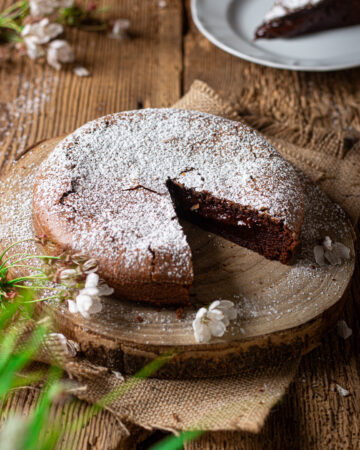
[283,310]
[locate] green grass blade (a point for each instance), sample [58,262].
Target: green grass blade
[8,343]
[39,419]
[16,243]
[177,442]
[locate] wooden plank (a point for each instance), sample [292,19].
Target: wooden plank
[37,102]
[298,99]
[312,415]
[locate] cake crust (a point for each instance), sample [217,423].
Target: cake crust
[114,188]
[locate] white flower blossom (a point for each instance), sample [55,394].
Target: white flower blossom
[39,33]
[331,252]
[40,8]
[81,71]
[120,29]
[226,307]
[42,32]
[88,301]
[33,50]
[213,321]
[59,51]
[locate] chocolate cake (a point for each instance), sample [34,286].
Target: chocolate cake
[288,18]
[115,187]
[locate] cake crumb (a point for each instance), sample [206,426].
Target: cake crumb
[179,313]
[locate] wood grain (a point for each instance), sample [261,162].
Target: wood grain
[126,76]
[38,102]
[312,416]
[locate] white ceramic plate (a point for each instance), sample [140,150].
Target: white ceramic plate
[230,25]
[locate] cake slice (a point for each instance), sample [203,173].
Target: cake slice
[288,18]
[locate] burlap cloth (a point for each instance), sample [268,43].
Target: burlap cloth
[239,402]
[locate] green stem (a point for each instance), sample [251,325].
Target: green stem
[17,9]
[30,277]
[44,288]
[13,245]
[42,299]
[25,266]
[25,258]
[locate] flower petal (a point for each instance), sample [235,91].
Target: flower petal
[319,255]
[333,258]
[40,8]
[214,305]
[217,328]
[202,332]
[104,289]
[84,302]
[342,391]
[201,313]
[327,243]
[33,49]
[228,309]
[92,291]
[120,28]
[59,51]
[73,307]
[215,314]
[341,250]
[92,280]
[232,313]
[96,307]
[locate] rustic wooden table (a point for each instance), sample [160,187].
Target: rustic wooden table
[154,68]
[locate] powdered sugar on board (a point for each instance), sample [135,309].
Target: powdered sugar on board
[112,172]
[269,296]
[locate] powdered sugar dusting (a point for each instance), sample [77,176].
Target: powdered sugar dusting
[265,305]
[24,106]
[113,171]
[284,7]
